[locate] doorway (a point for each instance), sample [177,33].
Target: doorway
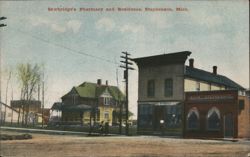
[228,126]
[158,118]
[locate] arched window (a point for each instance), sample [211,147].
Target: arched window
[213,119]
[193,119]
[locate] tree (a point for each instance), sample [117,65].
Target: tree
[7,87]
[29,77]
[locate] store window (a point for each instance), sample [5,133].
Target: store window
[213,119]
[151,88]
[193,119]
[173,116]
[168,87]
[145,114]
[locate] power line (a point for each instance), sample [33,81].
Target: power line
[65,47]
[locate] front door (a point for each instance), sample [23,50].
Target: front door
[228,126]
[158,118]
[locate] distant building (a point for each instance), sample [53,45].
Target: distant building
[91,102]
[27,105]
[32,110]
[9,114]
[165,87]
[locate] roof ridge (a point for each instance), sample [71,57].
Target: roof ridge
[218,78]
[164,54]
[201,70]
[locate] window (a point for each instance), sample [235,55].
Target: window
[173,116]
[145,114]
[151,88]
[193,119]
[107,100]
[106,115]
[169,87]
[241,104]
[197,86]
[98,115]
[74,99]
[213,119]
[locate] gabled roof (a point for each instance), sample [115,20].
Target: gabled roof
[210,77]
[164,59]
[92,90]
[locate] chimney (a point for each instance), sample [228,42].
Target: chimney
[107,83]
[215,70]
[99,82]
[191,62]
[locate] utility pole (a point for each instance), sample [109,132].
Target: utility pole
[42,103]
[126,62]
[1,25]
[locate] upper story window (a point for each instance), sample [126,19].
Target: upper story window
[168,87]
[107,101]
[198,86]
[74,98]
[151,88]
[213,119]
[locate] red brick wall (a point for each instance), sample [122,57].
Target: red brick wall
[203,106]
[244,119]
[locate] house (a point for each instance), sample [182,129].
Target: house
[9,115]
[91,102]
[164,107]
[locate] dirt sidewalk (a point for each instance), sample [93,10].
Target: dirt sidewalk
[140,146]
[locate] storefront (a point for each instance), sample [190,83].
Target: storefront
[216,114]
[163,118]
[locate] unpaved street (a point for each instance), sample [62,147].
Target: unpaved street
[141,146]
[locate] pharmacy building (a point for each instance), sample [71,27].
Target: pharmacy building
[176,99]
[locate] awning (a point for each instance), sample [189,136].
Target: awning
[162,103]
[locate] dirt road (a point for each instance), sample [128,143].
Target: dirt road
[140,146]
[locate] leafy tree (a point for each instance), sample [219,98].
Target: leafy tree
[29,77]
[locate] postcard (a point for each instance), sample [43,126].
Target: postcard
[124,78]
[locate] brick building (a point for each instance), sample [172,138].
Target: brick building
[165,83]
[216,114]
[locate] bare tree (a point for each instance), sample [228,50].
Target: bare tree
[29,76]
[7,87]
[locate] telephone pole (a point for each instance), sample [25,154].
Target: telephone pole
[1,25]
[126,62]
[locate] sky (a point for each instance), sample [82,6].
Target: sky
[79,46]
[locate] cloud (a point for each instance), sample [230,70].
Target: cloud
[58,28]
[105,23]
[160,21]
[72,25]
[37,20]
[133,28]
[207,20]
